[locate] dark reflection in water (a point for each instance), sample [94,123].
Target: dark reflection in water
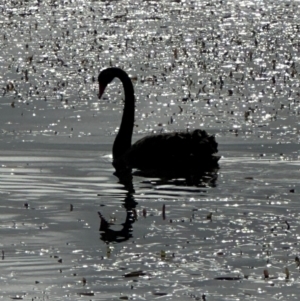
[109,235]
[125,178]
[201,179]
[184,177]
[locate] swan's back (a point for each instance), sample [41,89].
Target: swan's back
[176,151]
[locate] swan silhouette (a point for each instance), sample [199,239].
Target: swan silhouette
[172,153]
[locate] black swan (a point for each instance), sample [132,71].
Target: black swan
[174,153]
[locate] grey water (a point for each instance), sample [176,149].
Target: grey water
[69,229]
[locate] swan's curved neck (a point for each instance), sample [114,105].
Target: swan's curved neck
[123,140]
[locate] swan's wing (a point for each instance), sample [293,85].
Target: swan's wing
[176,149]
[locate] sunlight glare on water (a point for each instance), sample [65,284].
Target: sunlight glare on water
[70,230]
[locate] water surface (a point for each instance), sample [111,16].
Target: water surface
[70,230]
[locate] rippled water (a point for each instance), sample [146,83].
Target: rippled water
[69,229]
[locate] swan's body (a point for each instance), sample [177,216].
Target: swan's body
[175,152]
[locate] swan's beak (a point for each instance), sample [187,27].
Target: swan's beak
[101,90]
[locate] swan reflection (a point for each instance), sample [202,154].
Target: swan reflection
[194,184]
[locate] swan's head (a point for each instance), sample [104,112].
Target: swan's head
[105,77]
